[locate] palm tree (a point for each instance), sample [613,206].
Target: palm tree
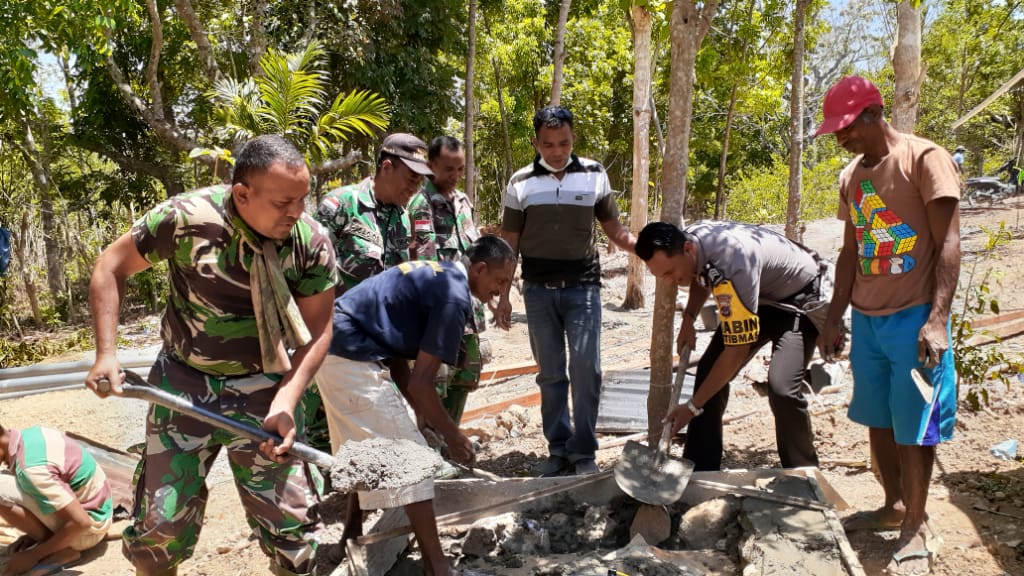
[290,98]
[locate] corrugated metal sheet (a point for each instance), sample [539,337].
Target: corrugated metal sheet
[623,407]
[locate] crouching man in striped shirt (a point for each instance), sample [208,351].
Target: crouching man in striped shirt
[54,492]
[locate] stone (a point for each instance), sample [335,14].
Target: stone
[479,542]
[597,523]
[703,525]
[652,523]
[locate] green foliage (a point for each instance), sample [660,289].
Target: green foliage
[515,45]
[759,196]
[290,98]
[974,362]
[971,49]
[411,52]
[27,351]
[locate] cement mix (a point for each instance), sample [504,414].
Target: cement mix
[382,464]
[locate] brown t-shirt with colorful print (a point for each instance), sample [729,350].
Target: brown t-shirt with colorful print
[896,254]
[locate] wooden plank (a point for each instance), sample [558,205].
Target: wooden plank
[531,399]
[997,319]
[1000,332]
[984,103]
[508,371]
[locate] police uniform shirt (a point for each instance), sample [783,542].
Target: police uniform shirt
[741,265]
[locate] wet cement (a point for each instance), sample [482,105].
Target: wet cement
[381,464]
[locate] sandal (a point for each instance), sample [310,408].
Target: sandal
[899,558]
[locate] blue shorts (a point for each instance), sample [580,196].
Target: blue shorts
[883,350]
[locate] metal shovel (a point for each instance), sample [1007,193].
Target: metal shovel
[648,474]
[135,386]
[923,383]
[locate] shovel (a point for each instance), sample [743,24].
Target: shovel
[648,474]
[135,387]
[923,383]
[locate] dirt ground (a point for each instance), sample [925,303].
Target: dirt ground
[976,500]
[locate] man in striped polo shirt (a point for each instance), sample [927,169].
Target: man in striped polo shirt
[54,492]
[550,208]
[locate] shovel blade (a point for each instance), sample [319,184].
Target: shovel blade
[923,384]
[651,479]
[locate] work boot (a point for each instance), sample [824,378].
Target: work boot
[585,467]
[553,466]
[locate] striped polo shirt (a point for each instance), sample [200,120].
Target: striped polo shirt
[54,470]
[555,220]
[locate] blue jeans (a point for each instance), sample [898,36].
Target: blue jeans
[552,314]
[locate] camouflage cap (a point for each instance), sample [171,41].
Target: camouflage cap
[410,149]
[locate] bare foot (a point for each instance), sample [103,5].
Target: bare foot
[879,520]
[913,556]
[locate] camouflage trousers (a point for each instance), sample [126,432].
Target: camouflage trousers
[455,385]
[315,414]
[170,482]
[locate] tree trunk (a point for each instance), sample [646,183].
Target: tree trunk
[470,105]
[37,159]
[907,66]
[27,276]
[504,119]
[688,25]
[556,76]
[796,123]
[641,149]
[202,40]
[257,37]
[720,191]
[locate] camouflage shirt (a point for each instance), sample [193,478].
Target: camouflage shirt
[209,322]
[443,229]
[368,237]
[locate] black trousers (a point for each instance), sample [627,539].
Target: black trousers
[793,340]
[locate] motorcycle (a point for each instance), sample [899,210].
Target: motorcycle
[991,188]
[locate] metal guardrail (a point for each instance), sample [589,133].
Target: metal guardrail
[39,378]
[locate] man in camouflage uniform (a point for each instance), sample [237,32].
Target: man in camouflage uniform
[251,277]
[443,228]
[370,230]
[368,221]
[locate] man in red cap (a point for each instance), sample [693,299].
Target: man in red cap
[898,267]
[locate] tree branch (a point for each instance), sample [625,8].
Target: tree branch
[337,164]
[155,92]
[169,132]
[199,36]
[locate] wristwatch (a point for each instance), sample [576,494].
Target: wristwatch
[693,409]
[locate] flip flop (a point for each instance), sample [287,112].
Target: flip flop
[868,520]
[900,558]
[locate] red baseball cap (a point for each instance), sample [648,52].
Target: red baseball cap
[845,101]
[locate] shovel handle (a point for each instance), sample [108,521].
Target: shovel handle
[135,387]
[677,388]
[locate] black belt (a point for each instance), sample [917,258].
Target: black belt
[560,284]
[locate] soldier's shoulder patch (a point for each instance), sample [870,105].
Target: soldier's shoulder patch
[361,230]
[422,225]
